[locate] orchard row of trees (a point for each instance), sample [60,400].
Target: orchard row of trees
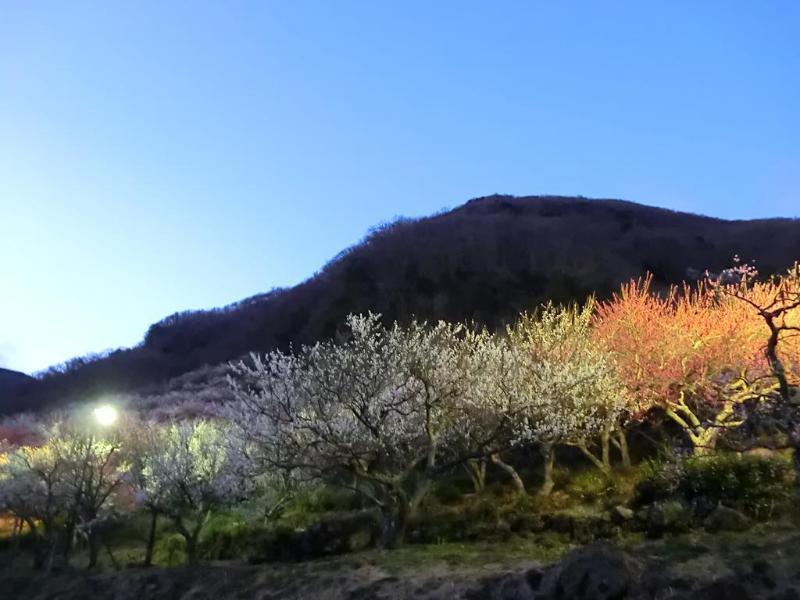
[81,481]
[388,410]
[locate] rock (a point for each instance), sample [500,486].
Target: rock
[787,594]
[763,574]
[622,514]
[724,589]
[508,586]
[702,506]
[726,519]
[361,539]
[596,572]
[534,578]
[527,522]
[667,517]
[503,528]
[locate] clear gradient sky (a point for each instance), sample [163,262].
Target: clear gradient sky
[161,156]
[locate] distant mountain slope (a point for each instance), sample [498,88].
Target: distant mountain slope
[484,261]
[11,381]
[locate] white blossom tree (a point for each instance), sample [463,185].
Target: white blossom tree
[33,488]
[194,467]
[377,409]
[563,388]
[144,442]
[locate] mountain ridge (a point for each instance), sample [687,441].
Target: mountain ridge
[483,261]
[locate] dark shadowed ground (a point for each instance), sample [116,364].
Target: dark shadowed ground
[761,563]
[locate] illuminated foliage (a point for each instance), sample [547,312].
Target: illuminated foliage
[380,409]
[564,388]
[186,470]
[697,353]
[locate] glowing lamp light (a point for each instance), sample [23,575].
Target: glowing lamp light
[105,415]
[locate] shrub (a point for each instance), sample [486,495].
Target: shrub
[170,550]
[322,499]
[447,492]
[755,485]
[223,537]
[591,485]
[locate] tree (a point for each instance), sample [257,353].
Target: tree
[774,305]
[376,411]
[564,389]
[32,487]
[195,466]
[684,352]
[145,442]
[94,473]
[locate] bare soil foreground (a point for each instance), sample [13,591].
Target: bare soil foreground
[761,563]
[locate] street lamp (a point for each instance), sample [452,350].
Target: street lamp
[105,415]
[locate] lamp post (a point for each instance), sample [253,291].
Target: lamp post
[105,415]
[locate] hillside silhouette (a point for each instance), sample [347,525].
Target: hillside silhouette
[11,381]
[484,261]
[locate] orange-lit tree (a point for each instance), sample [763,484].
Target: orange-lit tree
[771,310]
[688,352]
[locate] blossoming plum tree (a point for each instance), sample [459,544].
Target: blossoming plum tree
[563,388]
[194,467]
[379,409]
[690,352]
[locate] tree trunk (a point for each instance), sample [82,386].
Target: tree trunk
[796,462]
[705,442]
[94,548]
[151,538]
[512,472]
[779,371]
[16,535]
[191,537]
[622,446]
[603,463]
[111,557]
[39,549]
[69,539]
[191,550]
[476,467]
[395,521]
[549,456]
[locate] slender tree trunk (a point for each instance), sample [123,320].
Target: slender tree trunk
[69,538]
[16,534]
[549,456]
[395,521]
[94,548]
[192,536]
[39,547]
[512,472]
[603,463]
[191,550]
[779,371]
[622,446]
[111,557]
[51,554]
[151,538]
[476,467]
[795,438]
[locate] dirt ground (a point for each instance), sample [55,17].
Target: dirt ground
[761,563]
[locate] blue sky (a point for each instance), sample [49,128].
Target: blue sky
[162,156]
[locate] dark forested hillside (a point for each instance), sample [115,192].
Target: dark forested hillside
[484,261]
[11,381]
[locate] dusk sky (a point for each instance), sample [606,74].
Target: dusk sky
[164,156]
